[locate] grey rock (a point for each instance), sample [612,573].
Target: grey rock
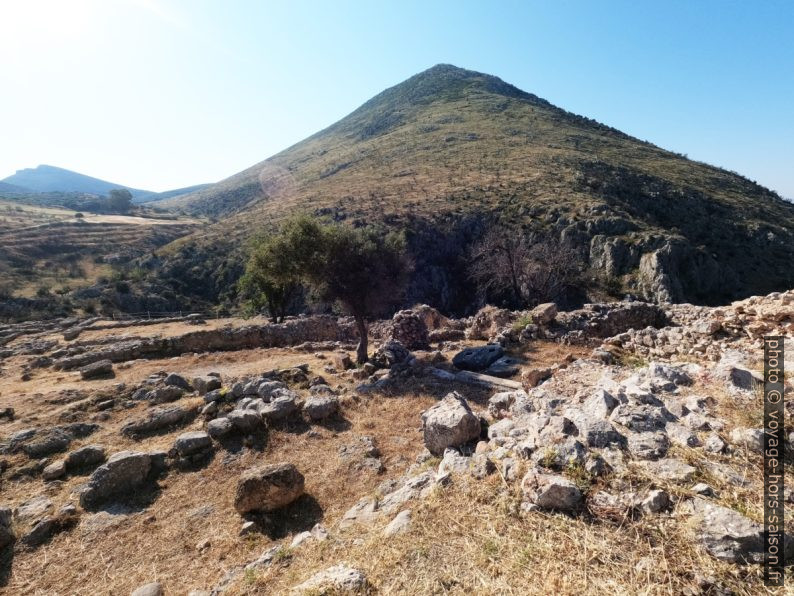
[97,370]
[265,388]
[601,434]
[478,359]
[671,469]
[339,579]
[320,407]
[501,428]
[499,404]
[481,466]
[599,405]
[714,444]
[268,488]
[45,443]
[671,374]
[85,457]
[400,524]
[54,471]
[550,491]
[206,383]
[648,445]
[279,408]
[33,508]
[123,472]
[449,423]
[158,419]
[728,535]
[40,533]
[245,421]
[219,428]
[213,396]
[656,501]
[504,367]
[680,435]
[751,439]
[177,380]
[191,443]
[639,418]
[162,395]
[560,455]
[703,489]
[150,589]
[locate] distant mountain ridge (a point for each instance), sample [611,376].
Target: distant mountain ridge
[48,179]
[45,178]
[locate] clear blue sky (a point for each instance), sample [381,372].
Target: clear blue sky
[159,94]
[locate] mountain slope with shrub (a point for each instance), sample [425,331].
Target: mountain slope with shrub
[449,152]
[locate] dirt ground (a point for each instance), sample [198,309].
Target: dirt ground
[112,551]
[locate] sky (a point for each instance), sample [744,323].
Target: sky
[161,94]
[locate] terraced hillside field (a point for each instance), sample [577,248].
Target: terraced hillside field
[51,248]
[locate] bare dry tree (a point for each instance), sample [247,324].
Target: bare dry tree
[497,261]
[529,270]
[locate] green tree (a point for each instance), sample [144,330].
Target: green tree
[363,270]
[271,278]
[119,200]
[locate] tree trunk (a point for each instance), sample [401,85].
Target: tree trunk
[361,350]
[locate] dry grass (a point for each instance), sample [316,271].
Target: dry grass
[470,539]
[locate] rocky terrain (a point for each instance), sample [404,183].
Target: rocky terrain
[614,448]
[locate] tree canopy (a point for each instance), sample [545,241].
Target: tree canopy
[361,269]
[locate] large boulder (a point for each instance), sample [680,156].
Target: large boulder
[268,488]
[449,423]
[124,472]
[477,359]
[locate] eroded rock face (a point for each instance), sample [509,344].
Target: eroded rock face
[123,472]
[268,488]
[449,423]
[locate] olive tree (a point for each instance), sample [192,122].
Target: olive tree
[271,278]
[363,270]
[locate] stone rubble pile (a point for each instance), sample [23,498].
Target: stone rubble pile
[710,332]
